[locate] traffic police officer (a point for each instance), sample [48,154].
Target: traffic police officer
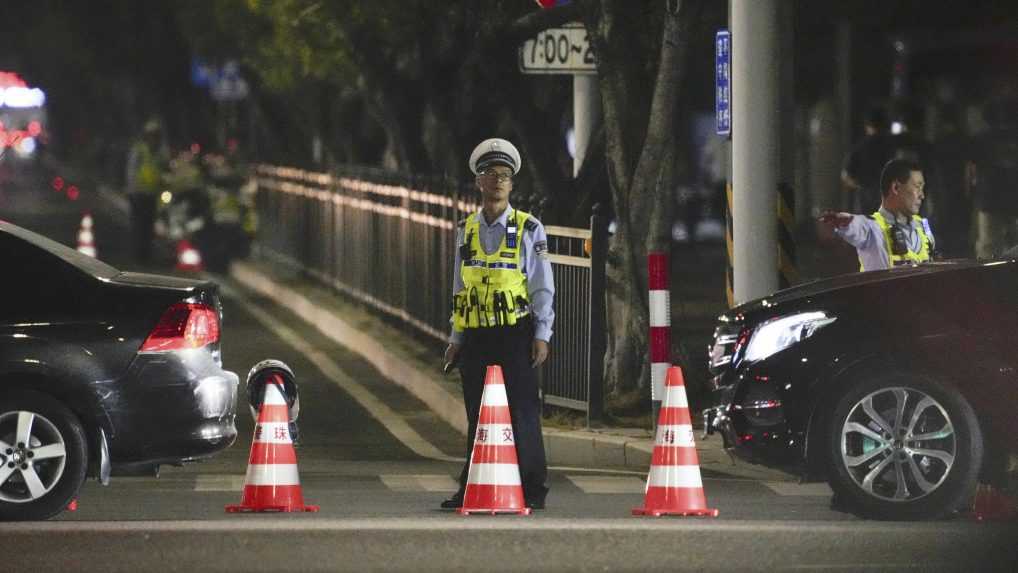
[502,311]
[146,163]
[895,234]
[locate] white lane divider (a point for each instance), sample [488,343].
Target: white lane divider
[422,482]
[218,482]
[608,484]
[793,489]
[385,415]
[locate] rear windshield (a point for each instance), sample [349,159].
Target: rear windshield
[82,262]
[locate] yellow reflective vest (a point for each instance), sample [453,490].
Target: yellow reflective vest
[148,176]
[494,286]
[909,256]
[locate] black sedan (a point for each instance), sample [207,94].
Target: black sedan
[899,386]
[101,372]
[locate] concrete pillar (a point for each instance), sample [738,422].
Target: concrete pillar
[756,145]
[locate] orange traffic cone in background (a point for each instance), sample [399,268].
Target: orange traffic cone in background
[991,504]
[674,486]
[272,482]
[493,480]
[188,257]
[86,238]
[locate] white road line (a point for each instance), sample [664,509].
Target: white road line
[218,482]
[950,532]
[792,489]
[417,483]
[389,418]
[608,484]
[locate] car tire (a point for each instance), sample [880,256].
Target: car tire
[56,478]
[921,463]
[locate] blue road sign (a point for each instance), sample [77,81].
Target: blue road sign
[723,82]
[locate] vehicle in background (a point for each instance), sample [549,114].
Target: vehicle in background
[898,386]
[101,371]
[22,118]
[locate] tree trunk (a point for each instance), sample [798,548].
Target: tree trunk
[640,156]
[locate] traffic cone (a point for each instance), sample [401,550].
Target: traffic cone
[188,257]
[272,482]
[674,486]
[493,480]
[991,504]
[86,238]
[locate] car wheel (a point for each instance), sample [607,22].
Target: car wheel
[903,447]
[43,456]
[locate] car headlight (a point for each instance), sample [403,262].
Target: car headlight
[778,334]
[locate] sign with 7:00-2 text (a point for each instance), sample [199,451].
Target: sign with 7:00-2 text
[563,50]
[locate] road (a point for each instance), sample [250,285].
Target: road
[377,462]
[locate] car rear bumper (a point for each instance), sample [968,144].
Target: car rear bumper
[172,407]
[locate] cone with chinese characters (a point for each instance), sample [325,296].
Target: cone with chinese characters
[493,480]
[86,237]
[272,482]
[674,486]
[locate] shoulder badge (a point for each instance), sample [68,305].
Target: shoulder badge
[530,224]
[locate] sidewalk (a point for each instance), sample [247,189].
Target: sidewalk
[417,367]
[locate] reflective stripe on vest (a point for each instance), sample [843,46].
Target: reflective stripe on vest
[910,257]
[494,286]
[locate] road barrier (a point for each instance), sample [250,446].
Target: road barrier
[387,240]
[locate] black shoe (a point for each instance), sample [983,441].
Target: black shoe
[535,498]
[454,502]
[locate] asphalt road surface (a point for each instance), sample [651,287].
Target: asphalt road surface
[377,462]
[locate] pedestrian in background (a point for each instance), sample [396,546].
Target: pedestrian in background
[992,177]
[895,234]
[146,163]
[502,311]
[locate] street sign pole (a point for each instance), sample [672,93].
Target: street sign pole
[567,50]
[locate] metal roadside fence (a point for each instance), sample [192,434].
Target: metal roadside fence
[387,240]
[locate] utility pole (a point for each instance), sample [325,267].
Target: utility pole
[757,127]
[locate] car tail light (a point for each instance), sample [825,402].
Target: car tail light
[183,326]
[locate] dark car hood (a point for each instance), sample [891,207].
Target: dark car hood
[848,281]
[158,281]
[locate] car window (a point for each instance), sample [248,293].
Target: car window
[85,263]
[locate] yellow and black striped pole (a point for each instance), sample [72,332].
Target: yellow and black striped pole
[788,270]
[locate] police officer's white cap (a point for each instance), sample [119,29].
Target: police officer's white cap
[495,151]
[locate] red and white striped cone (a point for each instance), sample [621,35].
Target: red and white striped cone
[272,482]
[674,486]
[86,238]
[493,480]
[188,257]
[660,322]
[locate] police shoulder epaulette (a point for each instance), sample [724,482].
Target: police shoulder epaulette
[530,224]
[462,222]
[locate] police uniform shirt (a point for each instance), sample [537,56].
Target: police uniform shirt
[536,266]
[867,237]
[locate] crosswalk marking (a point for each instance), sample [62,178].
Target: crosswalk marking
[215,482]
[608,484]
[433,483]
[788,488]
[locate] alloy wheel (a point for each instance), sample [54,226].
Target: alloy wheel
[33,456]
[898,444]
